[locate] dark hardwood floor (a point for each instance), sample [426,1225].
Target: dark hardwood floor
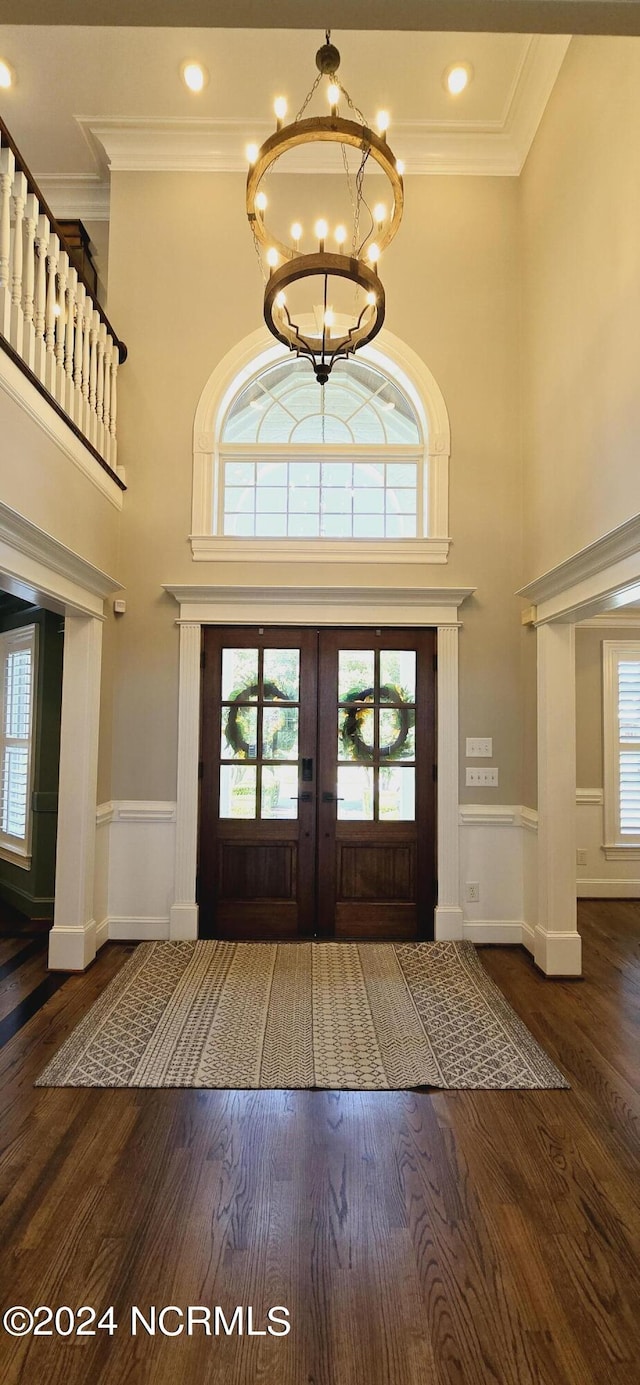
[416,1238]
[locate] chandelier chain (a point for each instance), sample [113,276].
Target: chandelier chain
[308,97]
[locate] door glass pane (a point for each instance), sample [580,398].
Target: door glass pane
[280,733]
[356,730]
[398,671]
[281,675]
[355,673]
[240,674]
[239,733]
[355,793]
[279,791]
[237,791]
[397,734]
[397,793]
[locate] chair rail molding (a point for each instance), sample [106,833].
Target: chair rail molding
[204,605]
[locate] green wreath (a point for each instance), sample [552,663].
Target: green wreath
[234,730]
[351,730]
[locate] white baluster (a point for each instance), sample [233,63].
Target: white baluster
[108,358]
[28,280]
[16,323]
[53,255]
[43,234]
[7,174]
[61,323]
[68,394]
[113,451]
[101,344]
[86,358]
[93,376]
[78,356]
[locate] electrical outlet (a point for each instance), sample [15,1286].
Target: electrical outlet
[581,856]
[482,778]
[479,747]
[472,892]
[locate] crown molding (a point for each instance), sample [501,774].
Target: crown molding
[27,539]
[489,148]
[77,195]
[601,576]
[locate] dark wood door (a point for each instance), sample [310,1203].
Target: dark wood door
[318,794]
[376,791]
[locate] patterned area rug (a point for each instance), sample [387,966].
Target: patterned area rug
[371,1016]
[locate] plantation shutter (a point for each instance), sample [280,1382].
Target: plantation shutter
[629,744]
[17,670]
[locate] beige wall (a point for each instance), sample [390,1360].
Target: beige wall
[184,288]
[40,482]
[580,204]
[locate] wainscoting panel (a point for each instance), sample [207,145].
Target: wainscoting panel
[600,878]
[135,857]
[495,857]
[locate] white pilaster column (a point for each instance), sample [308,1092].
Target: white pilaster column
[557,943]
[72,941]
[449,917]
[184,911]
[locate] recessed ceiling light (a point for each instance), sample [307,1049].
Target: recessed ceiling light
[457,77]
[6,75]
[194,76]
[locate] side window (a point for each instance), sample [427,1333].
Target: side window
[621,704]
[17,676]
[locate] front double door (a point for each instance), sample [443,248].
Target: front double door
[317,783]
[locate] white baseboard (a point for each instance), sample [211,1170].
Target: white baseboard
[558,954]
[608,889]
[449,923]
[72,949]
[493,931]
[528,936]
[138,929]
[102,933]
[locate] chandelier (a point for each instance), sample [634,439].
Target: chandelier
[326,303]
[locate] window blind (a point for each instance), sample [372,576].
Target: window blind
[629,744]
[17,663]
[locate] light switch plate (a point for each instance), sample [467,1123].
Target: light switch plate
[482,778]
[479,747]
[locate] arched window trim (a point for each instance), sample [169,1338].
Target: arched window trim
[242,365]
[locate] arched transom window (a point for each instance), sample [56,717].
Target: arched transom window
[355,471]
[301,462]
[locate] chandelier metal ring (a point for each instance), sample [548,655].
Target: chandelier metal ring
[328,129]
[290,334]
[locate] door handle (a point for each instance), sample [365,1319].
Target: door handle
[301,797]
[329,797]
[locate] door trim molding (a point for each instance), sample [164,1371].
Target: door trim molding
[206,605]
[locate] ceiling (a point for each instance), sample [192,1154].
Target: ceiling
[86,99]
[515,16]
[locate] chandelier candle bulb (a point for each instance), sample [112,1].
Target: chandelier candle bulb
[280,109]
[373,252]
[272,257]
[296,234]
[252,152]
[379,213]
[261,201]
[340,234]
[383,122]
[321,229]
